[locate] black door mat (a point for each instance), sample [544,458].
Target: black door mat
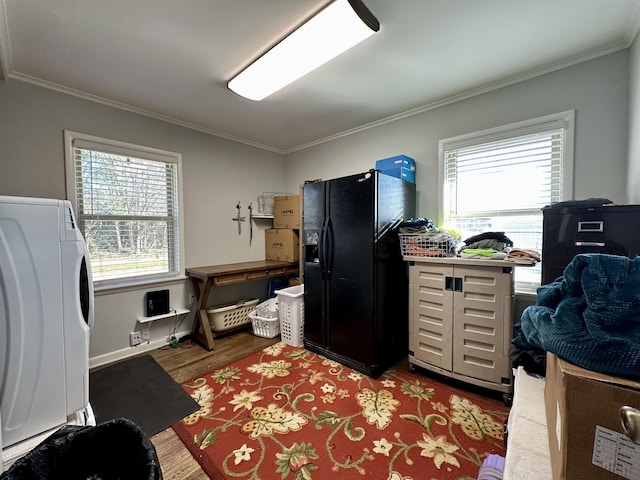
[140,390]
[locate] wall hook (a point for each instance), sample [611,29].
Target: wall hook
[238,218]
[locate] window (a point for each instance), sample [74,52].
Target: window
[499,179]
[127,204]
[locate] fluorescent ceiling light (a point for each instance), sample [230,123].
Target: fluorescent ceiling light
[333,30]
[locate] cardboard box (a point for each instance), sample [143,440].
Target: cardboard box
[286,211]
[282,244]
[586,438]
[399,166]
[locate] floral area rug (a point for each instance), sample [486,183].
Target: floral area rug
[287,413]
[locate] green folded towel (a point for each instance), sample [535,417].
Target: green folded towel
[485,252]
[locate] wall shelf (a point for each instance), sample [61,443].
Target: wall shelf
[262,216]
[178,311]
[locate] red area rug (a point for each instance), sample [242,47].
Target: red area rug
[287,413]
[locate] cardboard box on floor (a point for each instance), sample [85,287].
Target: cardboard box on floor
[586,438]
[282,244]
[286,211]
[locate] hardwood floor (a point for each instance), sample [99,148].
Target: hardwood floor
[183,363]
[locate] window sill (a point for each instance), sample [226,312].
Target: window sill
[136,285]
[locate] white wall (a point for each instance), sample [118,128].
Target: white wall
[217,173]
[633,177]
[597,90]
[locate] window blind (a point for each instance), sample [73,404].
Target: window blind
[504,177]
[127,209]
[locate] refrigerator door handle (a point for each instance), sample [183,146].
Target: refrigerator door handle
[321,248]
[329,249]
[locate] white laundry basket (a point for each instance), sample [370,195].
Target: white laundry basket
[225,317]
[267,327]
[291,312]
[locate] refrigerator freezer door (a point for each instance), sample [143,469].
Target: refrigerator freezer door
[351,259]
[314,285]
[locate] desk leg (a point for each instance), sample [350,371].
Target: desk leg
[200,318]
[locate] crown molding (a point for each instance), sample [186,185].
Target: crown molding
[549,68]
[140,111]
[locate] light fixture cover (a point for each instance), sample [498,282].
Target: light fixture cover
[333,30]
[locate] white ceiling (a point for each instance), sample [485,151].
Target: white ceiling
[171,59]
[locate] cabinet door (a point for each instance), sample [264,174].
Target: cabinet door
[482,323]
[432,304]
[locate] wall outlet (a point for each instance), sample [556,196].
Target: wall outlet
[135,339]
[192,298]
[145,334]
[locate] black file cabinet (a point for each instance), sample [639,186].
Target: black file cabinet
[569,231]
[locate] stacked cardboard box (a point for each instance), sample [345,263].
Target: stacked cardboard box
[586,436]
[283,241]
[282,244]
[286,211]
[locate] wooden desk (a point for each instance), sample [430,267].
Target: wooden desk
[204,278]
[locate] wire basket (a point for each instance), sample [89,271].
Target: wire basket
[230,316]
[428,244]
[265,202]
[263,326]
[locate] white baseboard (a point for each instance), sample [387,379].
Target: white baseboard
[111,357]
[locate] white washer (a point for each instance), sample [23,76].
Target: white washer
[46,314]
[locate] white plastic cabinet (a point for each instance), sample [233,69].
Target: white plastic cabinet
[461,319]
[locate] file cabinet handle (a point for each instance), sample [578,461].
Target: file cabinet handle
[591,244]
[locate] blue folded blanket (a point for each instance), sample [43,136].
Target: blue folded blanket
[591,315]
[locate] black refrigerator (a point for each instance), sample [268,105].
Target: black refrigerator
[355,281]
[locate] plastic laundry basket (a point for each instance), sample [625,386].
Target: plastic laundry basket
[267,327]
[230,316]
[291,312]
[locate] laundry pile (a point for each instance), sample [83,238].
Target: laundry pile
[497,246]
[492,245]
[590,316]
[523,256]
[419,237]
[417,225]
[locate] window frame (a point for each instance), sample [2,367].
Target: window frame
[142,152]
[565,120]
